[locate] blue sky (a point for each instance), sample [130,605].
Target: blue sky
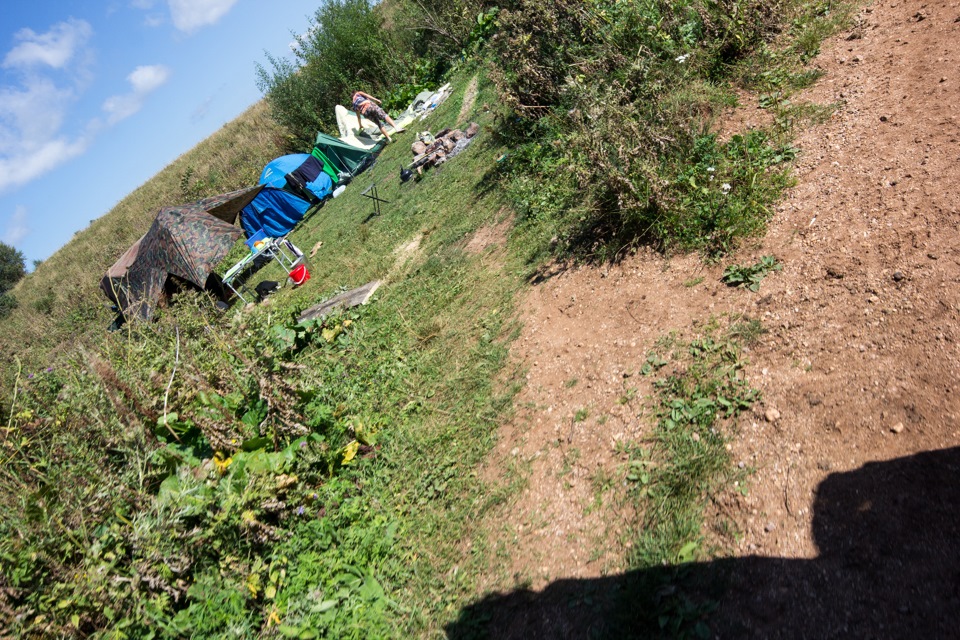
[97,97]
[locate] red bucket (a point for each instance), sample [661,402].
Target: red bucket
[299,275]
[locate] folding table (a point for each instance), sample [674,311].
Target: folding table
[284,252]
[371,192]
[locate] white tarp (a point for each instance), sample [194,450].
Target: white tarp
[369,135]
[365,138]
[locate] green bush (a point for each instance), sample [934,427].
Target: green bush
[7,304]
[345,49]
[135,501]
[45,303]
[611,106]
[12,268]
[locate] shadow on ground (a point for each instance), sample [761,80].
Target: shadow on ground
[888,536]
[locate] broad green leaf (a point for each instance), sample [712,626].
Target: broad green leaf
[326,605]
[686,552]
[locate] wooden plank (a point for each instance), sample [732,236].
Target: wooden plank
[345,300]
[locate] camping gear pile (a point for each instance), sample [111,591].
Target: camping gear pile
[367,134]
[432,151]
[186,242]
[291,185]
[423,104]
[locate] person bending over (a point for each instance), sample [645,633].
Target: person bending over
[368,106]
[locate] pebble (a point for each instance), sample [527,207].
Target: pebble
[897,428]
[772,415]
[897,276]
[770,527]
[834,271]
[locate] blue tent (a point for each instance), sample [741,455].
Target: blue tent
[292,184]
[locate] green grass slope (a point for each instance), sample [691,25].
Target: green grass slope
[244,473]
[60,303]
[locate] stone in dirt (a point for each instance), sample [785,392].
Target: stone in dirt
[772,415]
[834,271]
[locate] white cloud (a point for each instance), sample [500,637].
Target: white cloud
[144,80]
[154,17]
[154,20]
[147,78]
[33,111]
[55,48]
[17,228]
[23,167]
[190,15]
[53,72]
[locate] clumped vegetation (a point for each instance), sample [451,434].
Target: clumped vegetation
[700,391]
[249,475]
[12,271]
[749,276]
[616,106]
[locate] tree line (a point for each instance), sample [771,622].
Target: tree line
[12,270]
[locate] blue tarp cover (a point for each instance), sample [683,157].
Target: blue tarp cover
[274,174]
[275,210]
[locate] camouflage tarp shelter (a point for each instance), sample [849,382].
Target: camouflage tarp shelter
[187,241]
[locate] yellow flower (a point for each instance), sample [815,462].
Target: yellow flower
[221,463]
[350,451]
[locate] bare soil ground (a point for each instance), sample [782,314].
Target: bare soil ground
[859,368]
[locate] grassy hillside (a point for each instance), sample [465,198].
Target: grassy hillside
[243,474]
[409,382]
[60,303]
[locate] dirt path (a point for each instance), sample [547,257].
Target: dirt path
[861,358]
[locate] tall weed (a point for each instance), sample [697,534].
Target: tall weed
[612,107]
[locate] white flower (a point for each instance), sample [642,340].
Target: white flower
[725,187]
[683,58]
[710,169]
